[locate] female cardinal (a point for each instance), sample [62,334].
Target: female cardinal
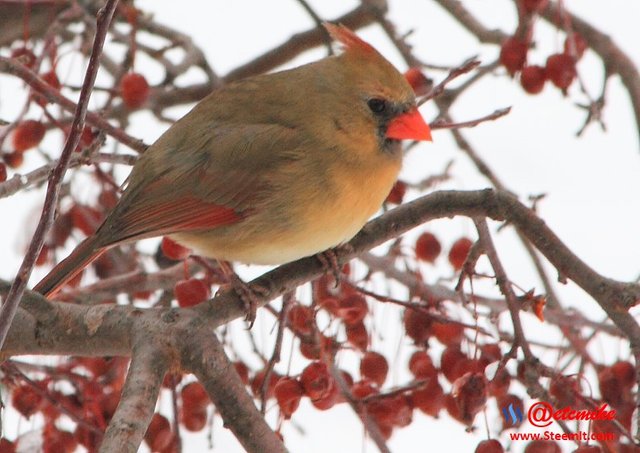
[271,168]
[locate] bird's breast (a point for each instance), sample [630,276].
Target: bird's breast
[306,216]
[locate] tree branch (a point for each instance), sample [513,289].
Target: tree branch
[202,354]
[10,305]
[149,363]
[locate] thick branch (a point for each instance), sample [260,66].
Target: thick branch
[69,335]
[149,364]
[202,354]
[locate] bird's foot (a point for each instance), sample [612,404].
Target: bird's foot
[249,295]
[329,261]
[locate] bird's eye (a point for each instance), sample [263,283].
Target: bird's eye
[377,105]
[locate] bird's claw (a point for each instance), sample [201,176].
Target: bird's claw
[329,261]
[249,295]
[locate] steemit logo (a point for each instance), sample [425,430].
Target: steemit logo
[512,415]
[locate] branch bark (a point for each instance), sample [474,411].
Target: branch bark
[202,354]
[149,364]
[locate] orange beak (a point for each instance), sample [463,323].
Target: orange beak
[409,126]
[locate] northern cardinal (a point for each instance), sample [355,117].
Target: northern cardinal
[271,168]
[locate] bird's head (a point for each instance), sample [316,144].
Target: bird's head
[376,93]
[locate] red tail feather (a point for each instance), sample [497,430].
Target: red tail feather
[68,268]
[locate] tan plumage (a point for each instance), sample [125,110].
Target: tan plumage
[271,168]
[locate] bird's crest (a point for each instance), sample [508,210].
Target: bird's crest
[347,38]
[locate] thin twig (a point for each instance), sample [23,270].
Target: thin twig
[505,285]
[10,305]
[445,124]
[287,303]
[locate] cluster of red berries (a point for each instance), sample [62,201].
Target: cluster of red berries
[97,383]
[428,248]
[560,68]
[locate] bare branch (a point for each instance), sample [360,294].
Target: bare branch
[149,364]
[202,354]
[10,305]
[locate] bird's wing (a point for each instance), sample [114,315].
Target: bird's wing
[206,180]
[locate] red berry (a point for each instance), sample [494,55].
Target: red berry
[565,390]
[397,193]
[542,446]
[421,366]
[561,70]
[362,389]
[172,250]
[417,325]
[513,54]
[459,252]
[429,399]
[611,389]
[56,441]
[374,366]
[301,319]
[323,347]
[7,446]
[191,292]
[625,373]
[25,56]
[14,160]
[97,366]
[258,380]
[490,353]
[109,404]
[499,385]
[26,400]
[194,396]
[588,449]
[52,80]
[194,420]
[43,256]
[428,247]
[158,435]
[357,335]
[134,89]
[532,79]
[329,400]
[108,199]
[3,172]
[393,410]
[420,83]
[86,137]
[470,394]
[85,218]
[352,308]
[316,380]
[449,359]
[449,333]
[575,45]
[27,134]
[489,446]
[243,372]
[534,6]
[330,304]
[288,392]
